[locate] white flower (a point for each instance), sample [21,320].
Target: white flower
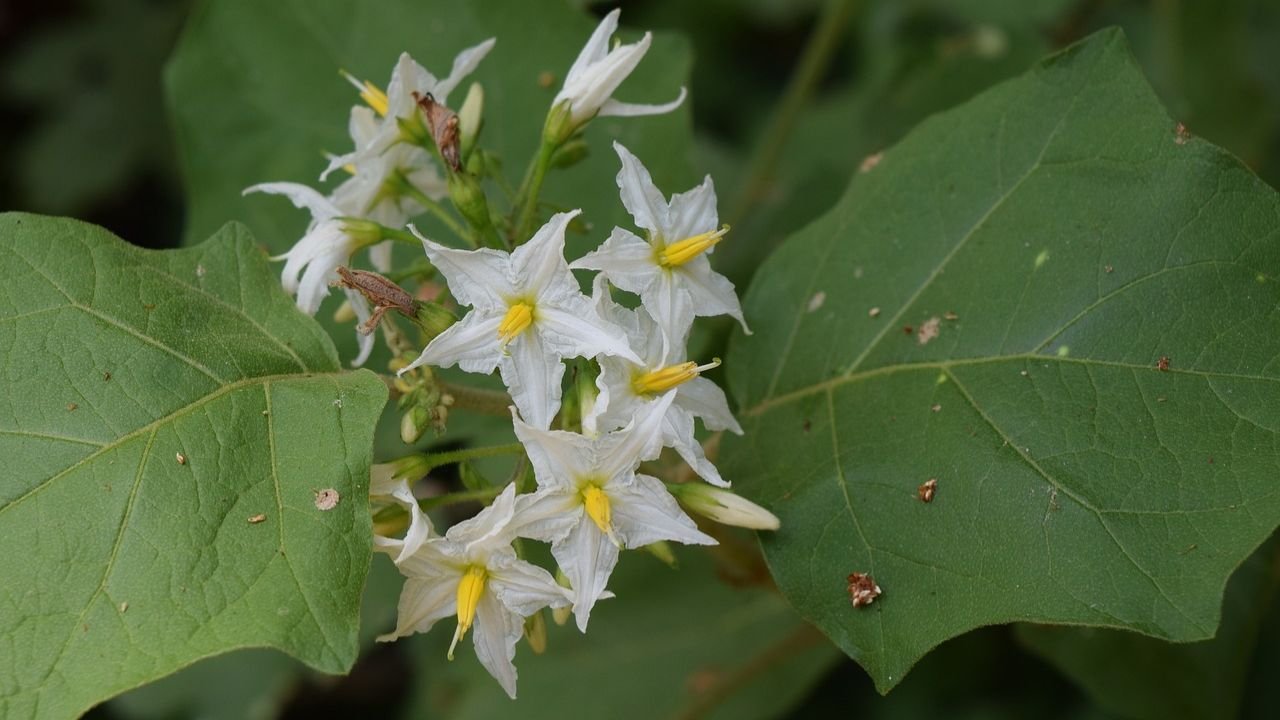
[598,71]
[626,386]
[369,192]
[473,573]
[724,506]
[527,314]
[387,488]
[398,102]
[681,234]
[324,247]
[591,502]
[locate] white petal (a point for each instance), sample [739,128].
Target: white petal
[301,196]
[472,344]
[539,263]
[677,433]
[485,533]
[622,451]
[573,330]
[693,212]
[407,78]
[546,515]
[383,485]
[626,260]
[644,513]
[314,286]
[712,292]
[525,588]
[363,313]
[463,65]
[706,400]
[495,633]
[614,108]
[557,456]
[422,603]
[639,195]
[380,254]
[480,278]
[533,376]
[597,46]
[593,88]
[671,306]
[616,402]
[587,558]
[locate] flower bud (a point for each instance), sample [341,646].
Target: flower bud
[468,197]
[472,479]
[535,631]
[559,125]
[570,153]
[723,506]
[433,318]
[470,118]
[363,232]
[413,423]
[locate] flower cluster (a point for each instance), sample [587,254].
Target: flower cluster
[635,390]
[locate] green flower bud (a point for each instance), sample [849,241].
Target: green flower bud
[723,506]
[413,423]
[470,118]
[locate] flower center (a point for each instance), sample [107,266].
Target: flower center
[371,94]
[518,319]
[470,589]
[679,253]
[663,379]
[596,503]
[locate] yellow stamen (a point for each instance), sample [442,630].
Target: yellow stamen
[679,253]
[370,93]
[663,379]
[351,169]
[470,589]
[518,318]
[597,505]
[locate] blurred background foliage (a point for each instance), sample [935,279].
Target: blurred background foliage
[790,98]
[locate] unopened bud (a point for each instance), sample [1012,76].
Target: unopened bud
[364,232]
[470,118]
[535,631]
[723,506]
[434,319]
[570,153]
[559,126]
[413,423]
[410,467]
[472,479]
[468,197]
[662,551]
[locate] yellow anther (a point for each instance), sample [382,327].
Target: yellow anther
[470,590]
[370,93]
[663,379]
[518,318]
[679,253]
[349,168]
[597,506]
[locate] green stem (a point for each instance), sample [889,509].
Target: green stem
[436,209]
[451,457]
[464,496]
[478,400]
[400,236]
[813,65]
[529,191]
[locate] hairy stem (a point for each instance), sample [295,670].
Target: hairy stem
[465,496]
[439,211]
[530,189]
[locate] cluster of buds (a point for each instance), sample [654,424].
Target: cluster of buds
[633,391]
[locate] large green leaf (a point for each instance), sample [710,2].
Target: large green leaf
[256,95]
[167,417]
[1141,677]
[674,644]
[1078,238]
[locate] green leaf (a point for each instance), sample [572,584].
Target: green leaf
[167,417]
[1078,239]
[255,95]
[673,644]
[1141,677]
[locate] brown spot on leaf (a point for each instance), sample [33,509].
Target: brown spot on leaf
[863,589]
[255,519]
[1181,134]
[929,330]
[1163,363]
[71,406]
[927,489]
[907,329]
[327,499]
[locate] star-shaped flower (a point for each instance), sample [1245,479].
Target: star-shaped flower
[681,234]
[372,193]
[527,314]
[473,573]
[626,386]
[398,103]
[591,502]
[598,71]
[324,246]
